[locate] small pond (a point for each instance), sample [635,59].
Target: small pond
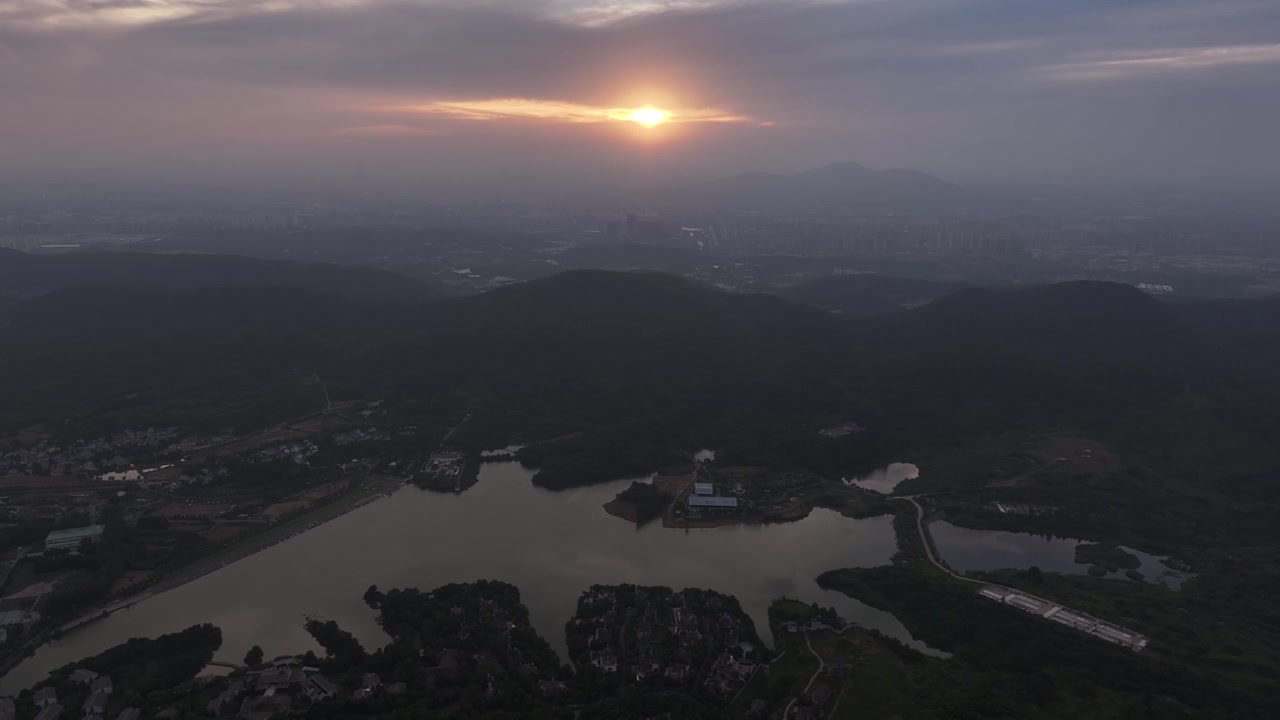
[885,479]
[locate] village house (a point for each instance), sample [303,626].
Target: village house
[225,702]
[96,704]
[46,697]
[370,683]
[318,688]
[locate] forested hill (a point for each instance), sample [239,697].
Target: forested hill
[89,314]
[868,294]
[1063,323]
[646,365]
[645,362]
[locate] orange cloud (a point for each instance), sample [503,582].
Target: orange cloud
[554,110]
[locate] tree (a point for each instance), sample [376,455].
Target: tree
[253,657]
[339,644]
[373,597]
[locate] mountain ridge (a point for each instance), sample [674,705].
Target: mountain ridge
[651,359]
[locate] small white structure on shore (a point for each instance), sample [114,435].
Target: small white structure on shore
[124,476]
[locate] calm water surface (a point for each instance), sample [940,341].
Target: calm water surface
[552,545]
[966,549]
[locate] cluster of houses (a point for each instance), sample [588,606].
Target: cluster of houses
[98,689]
[55,507]
[359,435]
[297,452]
[88,457]
[492,619]
[167,476]
[658,635]
[844,429]
[274,689]
[202,476]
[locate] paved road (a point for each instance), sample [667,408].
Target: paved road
[453,430]
[928,546]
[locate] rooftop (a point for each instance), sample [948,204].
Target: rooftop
[74,533]
[712,501]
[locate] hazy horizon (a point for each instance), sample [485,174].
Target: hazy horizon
[1170,92]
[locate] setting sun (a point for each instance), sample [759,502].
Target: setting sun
[649,116]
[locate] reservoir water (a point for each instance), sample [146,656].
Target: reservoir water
[886,478]
[966,549]
[552,545]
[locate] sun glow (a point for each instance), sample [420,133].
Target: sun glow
[500,109]
[649,116]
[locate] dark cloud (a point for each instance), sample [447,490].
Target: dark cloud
[1147,88]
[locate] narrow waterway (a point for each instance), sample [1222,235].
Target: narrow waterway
[552,545]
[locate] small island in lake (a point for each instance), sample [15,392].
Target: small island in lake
[1107,557]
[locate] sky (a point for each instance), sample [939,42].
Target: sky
[1087,90]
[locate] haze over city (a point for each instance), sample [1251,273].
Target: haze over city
[1169,91]
[639,359]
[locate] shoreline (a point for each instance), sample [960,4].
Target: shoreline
[200,569]
[794,514]
[182,577]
